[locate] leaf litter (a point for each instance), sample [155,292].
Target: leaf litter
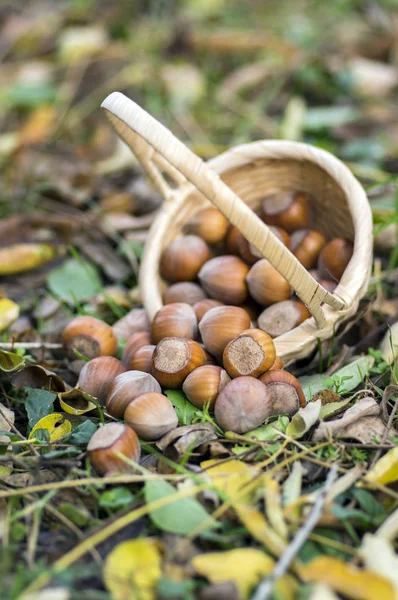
[210,513]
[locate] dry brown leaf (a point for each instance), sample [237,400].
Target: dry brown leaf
[362,408]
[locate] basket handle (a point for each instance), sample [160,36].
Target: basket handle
[155,146]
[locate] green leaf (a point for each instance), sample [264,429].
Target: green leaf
[25,94]
[74,281]
[329,116]
[81,434]
[116,498]
[353,374]
[332,408]
[176,590]
[270,432]
[311,384]
[355,371]
[38,404]
[184,409]
[182,516]
[370,506]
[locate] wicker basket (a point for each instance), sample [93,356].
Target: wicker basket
[235,182]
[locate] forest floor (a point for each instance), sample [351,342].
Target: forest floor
[289,512]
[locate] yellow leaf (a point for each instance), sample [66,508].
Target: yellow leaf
[259,529]
[273,507]
[56,425]
[24,257]
[385,470]
[76,402]
[132,570]
[230,477]
[38,126]
[347,579]
[245,567]
[9,312]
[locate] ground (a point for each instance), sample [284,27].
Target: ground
[217,74]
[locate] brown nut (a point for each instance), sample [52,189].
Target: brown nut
[252,352]
[306,245]
[242,405]
[184,291]
[204,384]
[282,317]
[142,359]
[266,285]
[174,358]
[209,224]
[183,258]
[98,374]
[250,254]
[232,240]
[174,320]
[286,393]
[126,388]
[223,278]
[334,258]
[220,325]
[134,342]
[151,415]
[89,336]
[289,210]
[107,442]
[278,363]
[203,306]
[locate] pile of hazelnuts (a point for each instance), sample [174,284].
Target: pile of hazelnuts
[213,338]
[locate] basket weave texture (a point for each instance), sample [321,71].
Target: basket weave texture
[235,182]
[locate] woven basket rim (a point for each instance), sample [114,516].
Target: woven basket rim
[156,148]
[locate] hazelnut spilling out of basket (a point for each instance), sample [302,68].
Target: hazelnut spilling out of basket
[214,337]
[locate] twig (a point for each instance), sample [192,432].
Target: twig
[29,346]
[388,426]
[265,588]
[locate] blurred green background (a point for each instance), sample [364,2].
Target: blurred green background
[217,72]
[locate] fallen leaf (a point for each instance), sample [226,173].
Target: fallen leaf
[245,567]
[363,408]
[182,516]
[7,419]
[74,281]
[273,507]
[78,43]
[55,424]
[358,584]
[385,471]
[19,258]
[379,556]
[178,442]
[304,419]
[270,432]
[9,312]
[389,344]
[260,529]
[372,78]
[10,361]
[367,430]
[333,408]
[38,404]
[230,478]
[292,485]
[133,570]
[37,377]
[76,402]
[322,592]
